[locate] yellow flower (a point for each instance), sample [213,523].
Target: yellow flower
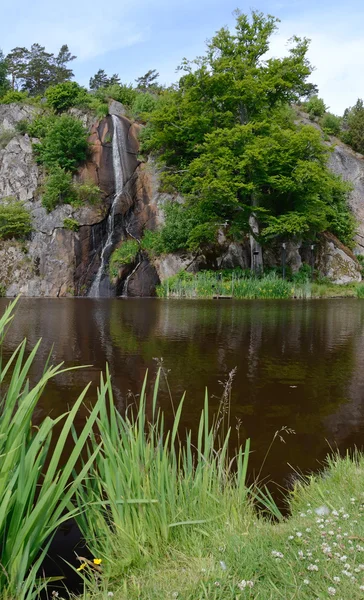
[81,567]
[97,561]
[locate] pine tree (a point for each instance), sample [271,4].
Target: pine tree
[61,72]
[17,61]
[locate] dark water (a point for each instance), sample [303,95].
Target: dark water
[299,364]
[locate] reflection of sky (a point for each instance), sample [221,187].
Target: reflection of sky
[298,363]
[134,37]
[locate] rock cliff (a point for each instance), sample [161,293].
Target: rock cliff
[58,262]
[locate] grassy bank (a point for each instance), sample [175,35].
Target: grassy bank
[242,285]
[165,514]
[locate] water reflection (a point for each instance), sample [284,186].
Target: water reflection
[299,364]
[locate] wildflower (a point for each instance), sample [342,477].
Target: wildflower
[276,554]
[312,568]
[97,561]
[291,537]
[81,567]
[55,594]
[306,581]
[332,591]
[175,595]
[361,588]
[336,579]
[322,510]
[217,583]
[110,595]
[299,534]
[308,529]
[243,584]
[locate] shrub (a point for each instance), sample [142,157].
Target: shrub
[58,189]
[97,105]
[124,255]
[202,235]
[22,126]
[331,124]
[303,275]
[14,96]
[144,103]
[65,95]
[316,107]
[6,135]
[125,94]
[40,126]
[64,144]
[15,220]
[86,192]
[71,224]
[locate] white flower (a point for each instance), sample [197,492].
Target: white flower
[110,595]
[361,588]
[322,510]
[331,591]
[175,595]
[336,579]
[243,584]
[345,516]
[331,532]
[335,513]
[291,537]
[217,583]
[277,554]
[347,566]
[306,581]
[312,568]
[343,558]
[299,534]
[308,529]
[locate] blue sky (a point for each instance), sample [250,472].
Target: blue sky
[131,36]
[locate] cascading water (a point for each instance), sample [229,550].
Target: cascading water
[118,150]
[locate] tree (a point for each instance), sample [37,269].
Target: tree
[62,73]
[4,83]
[39,72]
[64,95]
[101,80]
[223,98]
[148,81]
[63,144]
[353,125]
[316,107]
[17,61]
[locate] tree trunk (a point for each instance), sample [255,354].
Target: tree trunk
[256,254]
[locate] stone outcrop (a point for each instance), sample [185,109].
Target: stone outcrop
[59,262]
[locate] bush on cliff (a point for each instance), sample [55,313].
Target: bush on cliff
[15,219]
[65,95]
[124,255]
[63,143]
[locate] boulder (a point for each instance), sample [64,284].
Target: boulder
[143,280]
[335,261]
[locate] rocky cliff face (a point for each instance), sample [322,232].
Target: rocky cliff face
[59,262]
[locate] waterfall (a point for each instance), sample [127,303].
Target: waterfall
[118,150]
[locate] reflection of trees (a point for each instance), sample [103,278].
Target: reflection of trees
[317,346]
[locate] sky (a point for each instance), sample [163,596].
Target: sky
[129,37]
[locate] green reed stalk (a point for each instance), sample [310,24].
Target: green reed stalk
[148,488]
[33,506]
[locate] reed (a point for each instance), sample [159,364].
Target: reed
[149,489]
[35,492]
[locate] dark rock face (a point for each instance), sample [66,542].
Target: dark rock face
[143,280]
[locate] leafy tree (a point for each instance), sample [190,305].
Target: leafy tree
[101,80]
[331,124]
[64,95]
[13,96]
[123,93]
[148,81]
[64,144]
[4,83]
[353,125]
[58,188]
[144,104]
[231,146]
[316,107]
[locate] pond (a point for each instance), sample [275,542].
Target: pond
[299,364]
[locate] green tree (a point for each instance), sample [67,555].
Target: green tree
[17,61]
[149,81]
[39,72]
[4,83]
[61,71]
[228,102]
[101,80]
[353,126]
[316,107]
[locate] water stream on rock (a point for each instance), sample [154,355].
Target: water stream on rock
[118,150]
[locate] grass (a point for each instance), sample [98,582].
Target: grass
[318,552]
[207,284]
[124,255]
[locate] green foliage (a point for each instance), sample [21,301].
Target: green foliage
[63,143]
[101,80]
[15,220]
[353,127]
[14,96]
[360,291]
[36,69]
[316,107]
[88,192]
[123,93]
[143,105]
[124,255]
[2,290]
[58,189]
[179,224]
[148,81]
[5,136]
[202,236]
[22,126]
[96,105]
[4,83]
[71,224]
[331,124]
[303,275]
[65,95]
